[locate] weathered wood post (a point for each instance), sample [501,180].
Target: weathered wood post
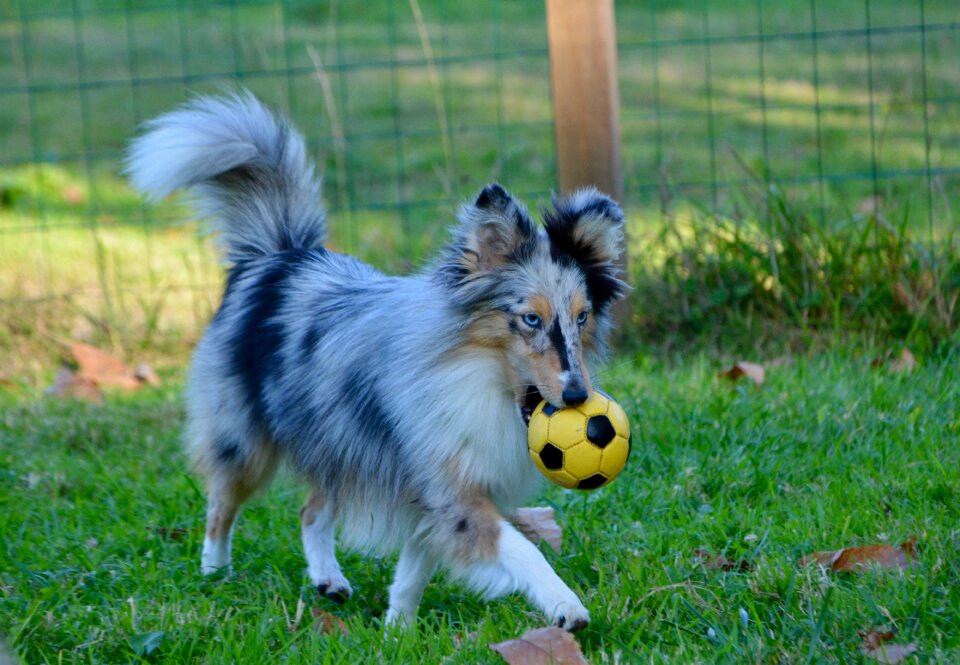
[586,98]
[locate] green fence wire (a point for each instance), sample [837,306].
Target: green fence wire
[411,106]
[852,104]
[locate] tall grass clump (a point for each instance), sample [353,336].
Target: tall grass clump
[779,275]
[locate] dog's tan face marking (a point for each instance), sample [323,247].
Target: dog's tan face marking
[548,326]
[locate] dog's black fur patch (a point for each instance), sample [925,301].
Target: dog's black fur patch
[601,275]
[258,337]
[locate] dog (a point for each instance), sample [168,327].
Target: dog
[401,401]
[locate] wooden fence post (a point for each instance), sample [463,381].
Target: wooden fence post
[586,98]
[586,102]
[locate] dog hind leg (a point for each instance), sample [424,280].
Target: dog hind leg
[231,480]
[316,521]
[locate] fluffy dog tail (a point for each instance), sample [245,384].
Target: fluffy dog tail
[247,169]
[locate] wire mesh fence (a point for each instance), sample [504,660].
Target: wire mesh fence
[409,107]
[851,102]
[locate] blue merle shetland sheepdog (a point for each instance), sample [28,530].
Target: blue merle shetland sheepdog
[401,401]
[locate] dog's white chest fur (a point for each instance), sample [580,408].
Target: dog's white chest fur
[477,430]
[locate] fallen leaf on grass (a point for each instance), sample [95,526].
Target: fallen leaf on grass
[903,297]
[68,384]
[145,373]
[875,637]
[542,646]
[539,524]
[875,646]
[73,195]
[96,368]
[327,623]
[855,559]
[902,364]
[752,371]
[870,205]
[720,562]
[905,363]
[103,368]
[177,533]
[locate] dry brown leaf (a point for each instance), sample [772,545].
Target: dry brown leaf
[328,624]
[103,368]
[870,205]
[177,533]
[904,363]
[538,524]
[874,637]
[752,371]
[903,297]
[68,384]
[73,195]
[855,559]
[891,654]
[875,646]
[720,562]
[146,374]
[542,646]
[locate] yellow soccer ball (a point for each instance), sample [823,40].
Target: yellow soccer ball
[582,447]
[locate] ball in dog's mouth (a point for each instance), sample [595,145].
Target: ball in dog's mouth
[531,400]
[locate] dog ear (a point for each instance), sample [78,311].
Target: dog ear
[494,233]
[587,228]
[493,230]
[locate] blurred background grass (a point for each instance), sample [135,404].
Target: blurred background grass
[786,164]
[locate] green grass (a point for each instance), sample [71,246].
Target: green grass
[829,453]
[779,276]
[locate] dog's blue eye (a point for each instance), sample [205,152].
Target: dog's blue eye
[532,320]
[582,319]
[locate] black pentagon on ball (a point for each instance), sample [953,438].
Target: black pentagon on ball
[552,457]
[600,431]
[593,482]
[549,409]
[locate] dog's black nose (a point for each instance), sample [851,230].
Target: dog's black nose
[574,395]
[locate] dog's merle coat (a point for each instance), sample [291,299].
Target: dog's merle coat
[400,400]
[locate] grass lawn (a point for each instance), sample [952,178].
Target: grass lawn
[102,527]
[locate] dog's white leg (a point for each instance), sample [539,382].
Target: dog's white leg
[221,516]
[319,547]
[519,566]
[231,479]
[414,569]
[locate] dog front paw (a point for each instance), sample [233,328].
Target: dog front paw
[571,616]
[336,588]
[399,618]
